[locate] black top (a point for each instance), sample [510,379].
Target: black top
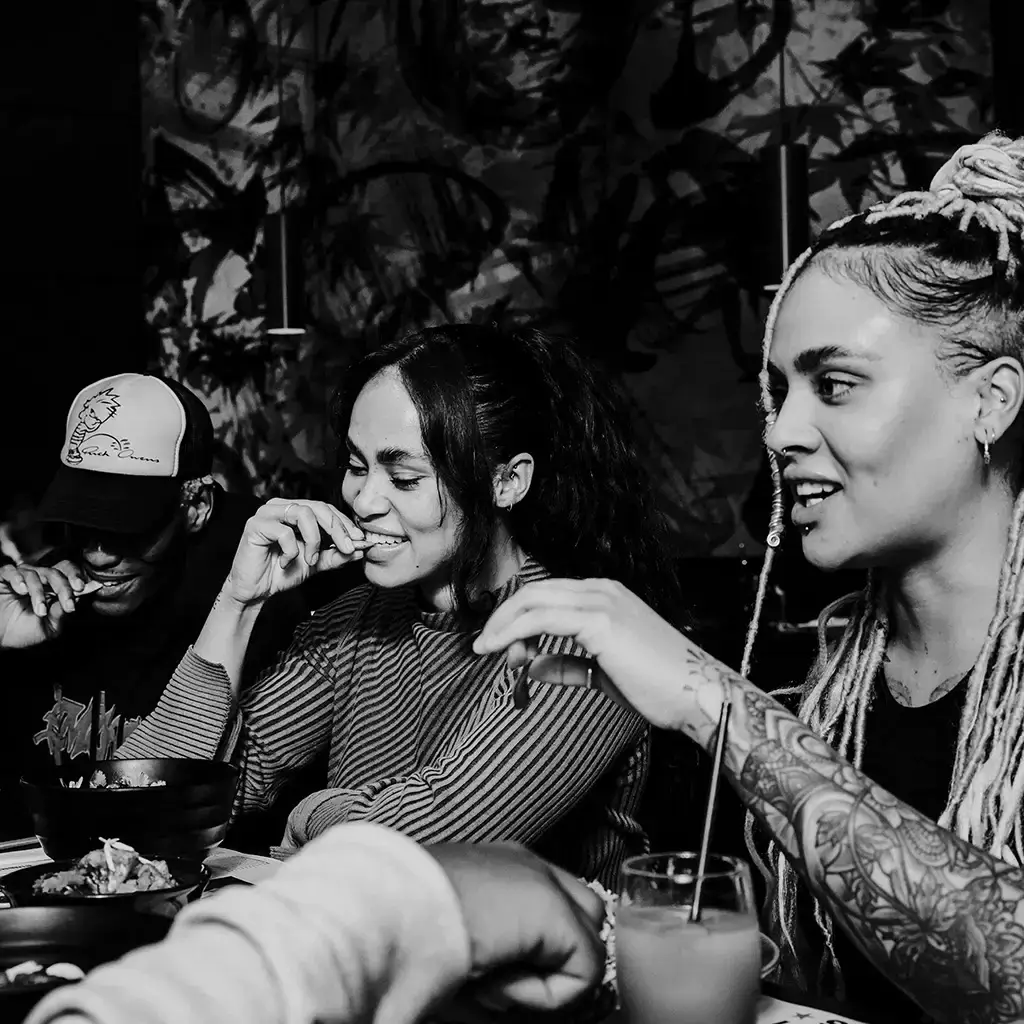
[80,695]
[909,752]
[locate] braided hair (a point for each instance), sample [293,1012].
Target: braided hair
[950,257]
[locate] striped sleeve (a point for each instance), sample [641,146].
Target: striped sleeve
[512,777]
[191,716]
[285,717]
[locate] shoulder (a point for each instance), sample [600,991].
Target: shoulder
[531,572]
[340,615]
[321,637]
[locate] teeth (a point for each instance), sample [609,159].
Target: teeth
[380,538]
[812,493]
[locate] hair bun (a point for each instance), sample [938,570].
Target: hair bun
[992,168]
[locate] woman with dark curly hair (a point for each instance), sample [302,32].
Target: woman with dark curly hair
[477,460]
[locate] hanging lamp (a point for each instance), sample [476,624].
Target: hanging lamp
[284,313]
[787,192]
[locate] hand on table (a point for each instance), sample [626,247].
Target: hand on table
[284,544]
[533,928]
[638,657]
[35,599]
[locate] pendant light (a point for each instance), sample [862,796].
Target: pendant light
[284,313]
[787,197]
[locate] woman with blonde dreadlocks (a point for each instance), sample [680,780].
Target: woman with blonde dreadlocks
[893,386]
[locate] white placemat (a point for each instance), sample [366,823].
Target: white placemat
[20,853]
[246,867]
[775,1011]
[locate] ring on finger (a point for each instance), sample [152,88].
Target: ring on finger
[288,508]
[591,684]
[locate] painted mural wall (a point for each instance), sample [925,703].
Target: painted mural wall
[594,166]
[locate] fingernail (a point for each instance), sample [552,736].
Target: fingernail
[40,609]
[313,557]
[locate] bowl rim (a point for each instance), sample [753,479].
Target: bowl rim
[223,773]
[96,898]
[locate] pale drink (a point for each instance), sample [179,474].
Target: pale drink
[673,972]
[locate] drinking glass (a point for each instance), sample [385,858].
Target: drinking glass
[671,971]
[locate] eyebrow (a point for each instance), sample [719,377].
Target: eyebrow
[811,359]
[389,456]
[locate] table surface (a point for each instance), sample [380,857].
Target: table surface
[775,1010]
[232,866]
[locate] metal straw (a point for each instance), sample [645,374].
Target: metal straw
[709,813]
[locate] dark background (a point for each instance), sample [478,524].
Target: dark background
[621,188]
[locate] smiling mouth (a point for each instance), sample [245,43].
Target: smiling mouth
[109,581]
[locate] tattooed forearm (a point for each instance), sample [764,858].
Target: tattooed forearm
[943,919]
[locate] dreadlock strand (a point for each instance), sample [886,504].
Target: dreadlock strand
[847,678]
[873,663]
[849,686]
[787,919]
[755,618]
[973,773]
[776,524]
[991,679]
[986,783]
[1011,570]
[997,798]
[829,959]
[852,696]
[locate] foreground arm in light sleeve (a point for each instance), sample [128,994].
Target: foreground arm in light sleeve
[511,777]
[363,926]
[284,719]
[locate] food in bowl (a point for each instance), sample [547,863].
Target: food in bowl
[116,868]
[98,780]
[30,972]
[187,816]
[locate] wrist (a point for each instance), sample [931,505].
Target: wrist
[231,615]
[225,634]
[235,600]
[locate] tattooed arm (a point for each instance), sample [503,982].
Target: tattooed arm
[941,918]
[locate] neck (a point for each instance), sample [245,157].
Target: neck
[941,607]
[504,560]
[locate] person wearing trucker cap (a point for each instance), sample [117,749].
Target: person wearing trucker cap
[142,540]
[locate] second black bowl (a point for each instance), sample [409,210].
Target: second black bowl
[190,876]
[186,817]
[83,936]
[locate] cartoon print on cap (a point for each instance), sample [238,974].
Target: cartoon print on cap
[93,414]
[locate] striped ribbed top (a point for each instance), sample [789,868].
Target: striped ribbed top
[422,735]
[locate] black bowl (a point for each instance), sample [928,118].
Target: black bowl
[189,874]
[188,817]
[84,936]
